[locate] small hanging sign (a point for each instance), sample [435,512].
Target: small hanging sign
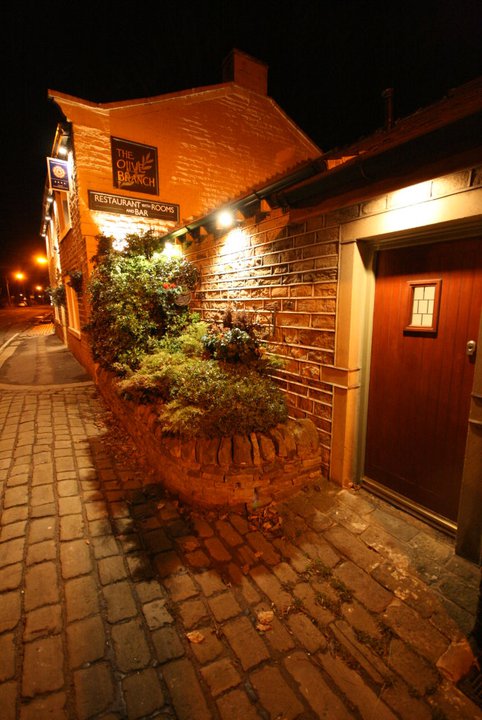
[58,173]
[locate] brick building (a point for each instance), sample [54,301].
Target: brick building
[363,270]
[156,162]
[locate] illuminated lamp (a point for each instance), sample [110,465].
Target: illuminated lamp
[171,250]
[224,219]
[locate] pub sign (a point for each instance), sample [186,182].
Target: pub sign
[135,207]
[134,166]
[58,173]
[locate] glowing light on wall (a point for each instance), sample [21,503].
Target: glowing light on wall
[171,250]
[119,244]
[225,219]
[411,195]
[236,240]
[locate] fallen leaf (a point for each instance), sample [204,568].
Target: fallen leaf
[265,616]
[263,628]
[195,637]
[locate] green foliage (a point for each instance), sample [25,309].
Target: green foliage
[205,397]
[209,382]
[133,301]
[237,342]
[57,295]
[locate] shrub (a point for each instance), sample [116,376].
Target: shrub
[133,301]
[209,381]
[206,397]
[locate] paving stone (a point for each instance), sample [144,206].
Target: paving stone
[11,552]
[41,552]
[156,613]
[313,686]
[75,559]
[13,530]
[305,594]
[353,548]
[42,529]
[94,690]
[353,687]
[85,641]
[70,506]
[407,588]
[41,585]
[228,534]
[403,702]
[396,526]
[43,666]
[271,586]
[275,694]
[105,546]
[416,631]
[120,602]
[143,693]
[245,642]
[111,569]
[236,705]
[192,612]
[262,548]
[185,690]
[8,700]
[14,514]
[140,566]
[9,610]
[306,632]
[81,597]
[7,657]
[220,676]
[131,649]
[52,707]
[217,550]
[168,563]
[71,527]
[181,587]
[167,643]
[210,648]
[365,589]
[42,495]
[210,582]
[67,488]
[10,577]
[224,607]
[360,649]
[43,621]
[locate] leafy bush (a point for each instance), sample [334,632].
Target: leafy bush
[133,301]
[209,381]
[205,397]
[237,342]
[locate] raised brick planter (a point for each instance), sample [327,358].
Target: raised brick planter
[228,471]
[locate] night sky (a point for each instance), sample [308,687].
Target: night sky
[328,65]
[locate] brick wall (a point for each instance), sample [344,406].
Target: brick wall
[285,280]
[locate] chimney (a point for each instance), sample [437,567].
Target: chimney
[387,95]
[245,70]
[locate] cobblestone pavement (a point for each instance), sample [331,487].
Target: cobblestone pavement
[118,602]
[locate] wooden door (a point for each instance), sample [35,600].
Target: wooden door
[421,376]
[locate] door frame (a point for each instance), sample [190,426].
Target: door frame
[360,242]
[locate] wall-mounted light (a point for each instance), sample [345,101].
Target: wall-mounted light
[171,250]
[225,219]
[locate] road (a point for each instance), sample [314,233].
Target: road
[14,320]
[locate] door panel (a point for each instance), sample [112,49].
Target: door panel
[420,382]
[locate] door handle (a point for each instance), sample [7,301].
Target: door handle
[470,348]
